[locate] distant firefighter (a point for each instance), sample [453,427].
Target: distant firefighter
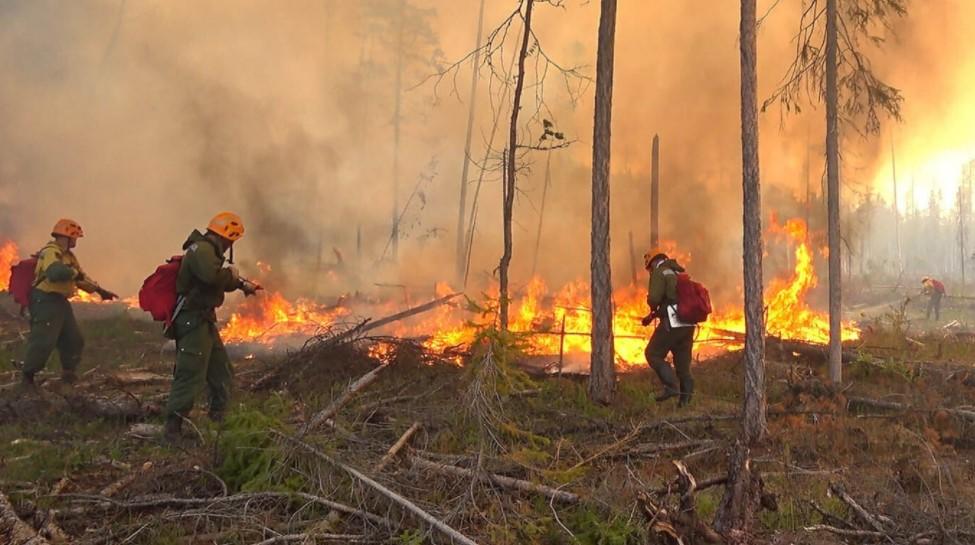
[57,276]
[670,336]
[935,290]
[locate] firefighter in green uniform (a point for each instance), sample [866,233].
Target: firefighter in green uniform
[57,277]
[201,358]
[670,336]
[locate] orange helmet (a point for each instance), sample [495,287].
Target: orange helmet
[67,228]
[652,256]
[228,225]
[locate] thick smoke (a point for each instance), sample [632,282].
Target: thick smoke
[142,119]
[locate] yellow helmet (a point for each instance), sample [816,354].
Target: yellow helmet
[228,225]
[67,228]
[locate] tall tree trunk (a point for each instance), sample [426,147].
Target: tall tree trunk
[897,213]
[508,194]
[397,108]
[541,213]
[755,422]
[833,197]
[461,246]
[739,505]
[602,377]
[655,193]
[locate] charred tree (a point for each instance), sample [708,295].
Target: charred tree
[602,377]
[655,193]
[510,173]
[461,245]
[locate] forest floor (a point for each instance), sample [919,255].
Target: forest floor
[492,453]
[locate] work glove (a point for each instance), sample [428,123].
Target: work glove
[648,319]
[106,295]
[249,288]
[234,273]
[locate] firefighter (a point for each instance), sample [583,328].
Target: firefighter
[670,336]
[201,359]
[57,277]
[935,290]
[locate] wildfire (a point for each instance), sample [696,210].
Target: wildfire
[268,316]
[8,257]
[557,322]
[788,315]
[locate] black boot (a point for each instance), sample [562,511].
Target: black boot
[69,377]
[685,400]
[173,431]
[27,384]
[666,394]
[217,417]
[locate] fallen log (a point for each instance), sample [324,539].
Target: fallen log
[117,486]
[839,491]
[397,447]
[419,309]
[249,497]
[500,480]
[656,448]
[391,495]
[894,406]
[347,395]
[314,538]
[14,531]
[808,350]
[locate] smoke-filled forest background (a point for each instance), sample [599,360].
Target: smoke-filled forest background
[141,119]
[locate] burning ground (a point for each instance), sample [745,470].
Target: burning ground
[436,423]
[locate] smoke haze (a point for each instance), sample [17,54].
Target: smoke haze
[143,119]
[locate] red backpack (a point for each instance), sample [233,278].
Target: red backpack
[693,300]
[22,278]
[158,293]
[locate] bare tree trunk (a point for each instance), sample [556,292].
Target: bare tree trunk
[461,253]
[655,193]
[833,197]
[897,212]
[754,410]
[634,272]
[508,194]
[541,212]
[736,512]
[397,108]
[602,377]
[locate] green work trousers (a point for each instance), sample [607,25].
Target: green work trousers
[52,325]
[678,341]
[201,359]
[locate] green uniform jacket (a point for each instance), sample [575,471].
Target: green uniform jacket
[663,284]
[202,278]
[58,271]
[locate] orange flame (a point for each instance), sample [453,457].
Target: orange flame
[268,316]
[559,321]
[8,258]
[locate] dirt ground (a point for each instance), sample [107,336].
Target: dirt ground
[86,461]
